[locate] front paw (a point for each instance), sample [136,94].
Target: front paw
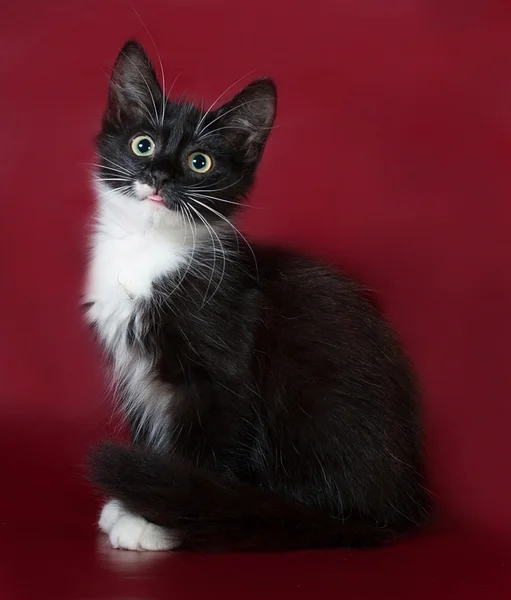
[110,514]
[132,532]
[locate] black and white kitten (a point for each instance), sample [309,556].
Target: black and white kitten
[270,406]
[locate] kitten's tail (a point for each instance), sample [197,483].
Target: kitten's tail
[217,514]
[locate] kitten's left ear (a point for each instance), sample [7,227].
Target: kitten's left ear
[248,118]
[134,91]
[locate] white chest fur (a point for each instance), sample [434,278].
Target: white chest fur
[134,243]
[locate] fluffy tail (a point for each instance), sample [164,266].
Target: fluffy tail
[217,514]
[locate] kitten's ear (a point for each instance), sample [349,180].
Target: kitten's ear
[134,91]
[248,117]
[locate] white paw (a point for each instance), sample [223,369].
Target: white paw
[110,514]
[132,532]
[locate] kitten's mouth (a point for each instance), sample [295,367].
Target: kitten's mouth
[144,191]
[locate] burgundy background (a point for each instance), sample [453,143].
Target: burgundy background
[391,158]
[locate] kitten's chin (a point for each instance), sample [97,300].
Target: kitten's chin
[148,195]
[156,213]
[136,210]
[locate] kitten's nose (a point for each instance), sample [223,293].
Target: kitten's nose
[159,178]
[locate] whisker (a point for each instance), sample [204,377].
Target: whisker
[174,83]
[223,263]
[125,190]
[209,230]
[115,164]
[164,102]
[238,106]
[199,184]
[105,199]
[193,229]
[217,189]
[102,166]
[188,266]
[216,199]
[98,166]
[122,187]
[112,179]
[239,128]
[204,116]
[234,228]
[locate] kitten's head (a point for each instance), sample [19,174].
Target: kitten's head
[173,160]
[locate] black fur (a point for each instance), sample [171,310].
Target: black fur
[294,420]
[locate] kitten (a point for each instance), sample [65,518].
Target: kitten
[270,406]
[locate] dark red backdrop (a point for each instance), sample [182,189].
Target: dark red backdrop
[391,158]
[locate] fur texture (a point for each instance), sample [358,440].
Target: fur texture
[270,405]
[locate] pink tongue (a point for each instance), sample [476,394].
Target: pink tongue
[155,198]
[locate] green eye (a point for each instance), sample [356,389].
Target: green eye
[200,162]
[142,145]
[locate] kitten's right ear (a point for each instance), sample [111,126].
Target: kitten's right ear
[248,118]
[134,91]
